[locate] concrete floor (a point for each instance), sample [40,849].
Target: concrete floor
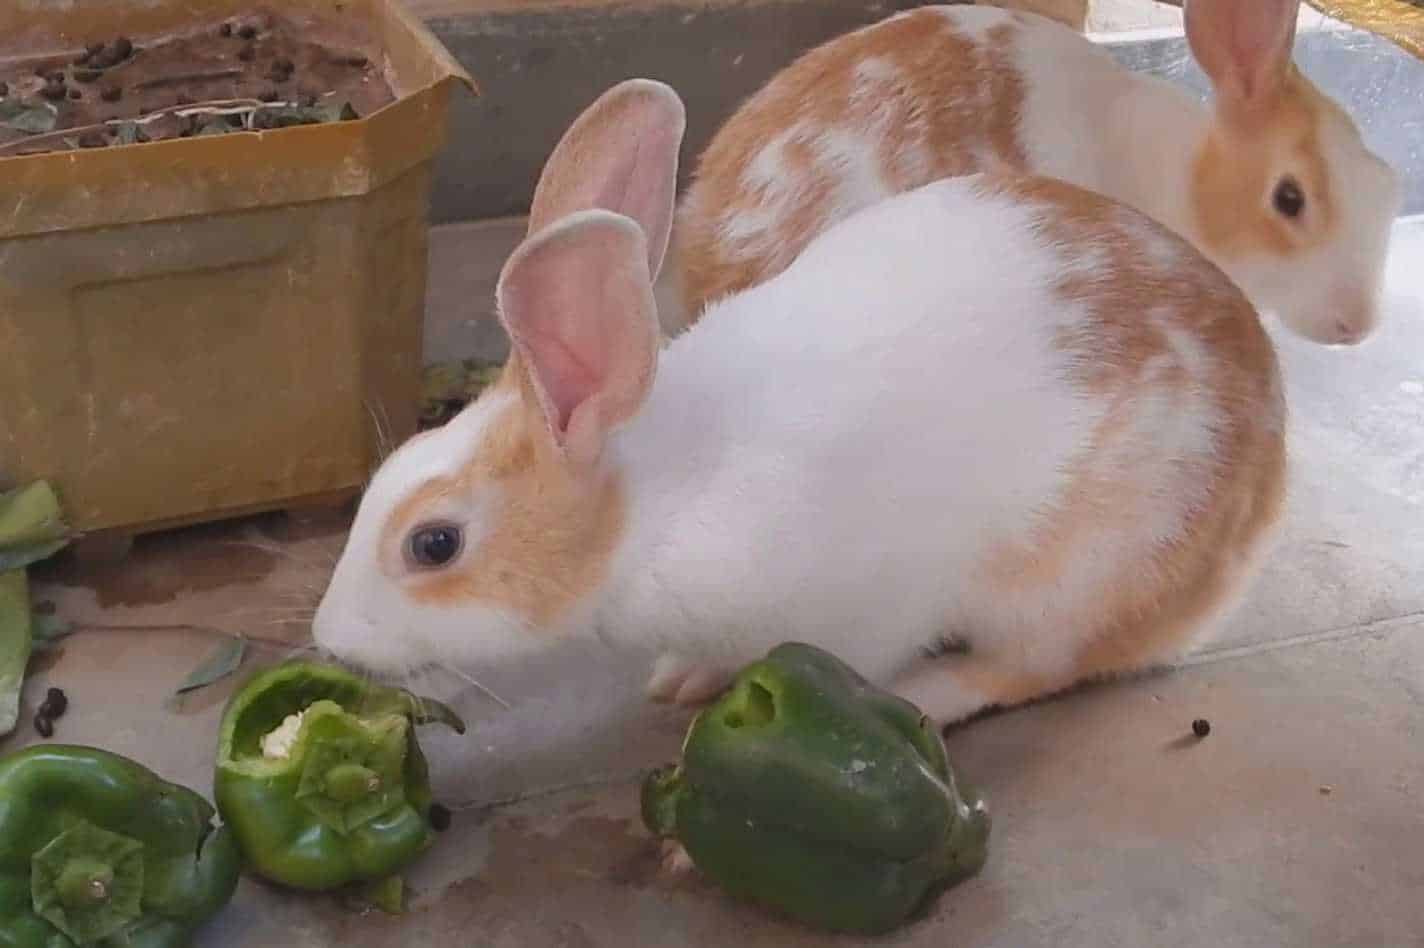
[1299,821]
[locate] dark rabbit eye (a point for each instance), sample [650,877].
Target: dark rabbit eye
[435,545]
[1289,199]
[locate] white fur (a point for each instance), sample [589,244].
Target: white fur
[825,461]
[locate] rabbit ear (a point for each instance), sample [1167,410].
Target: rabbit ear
[1244,46]
[620,155]
[577,301]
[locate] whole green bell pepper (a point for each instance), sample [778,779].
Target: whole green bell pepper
[321,778]
[96,850]
[809,790]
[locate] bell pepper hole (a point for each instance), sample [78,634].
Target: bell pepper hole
[757,708]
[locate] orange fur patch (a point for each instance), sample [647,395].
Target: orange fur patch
[928,102]
[554,531]
[1150,608]
[1241,161]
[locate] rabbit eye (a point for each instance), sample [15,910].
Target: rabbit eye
[436,545]
[1289,199]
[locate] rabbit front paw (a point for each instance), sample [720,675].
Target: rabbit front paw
[677,679]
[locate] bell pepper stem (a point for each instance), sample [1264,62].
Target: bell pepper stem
[84,882]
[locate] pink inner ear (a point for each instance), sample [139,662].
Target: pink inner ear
[1243,45]
[620,155]
[578,304]
[566,337]
[564,376]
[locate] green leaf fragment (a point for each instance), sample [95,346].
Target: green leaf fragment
[31,525]
[47,631]
[15,644]
[36,118]
[386,894]
[31,529]
[128,134]
[24,556]
[222,661]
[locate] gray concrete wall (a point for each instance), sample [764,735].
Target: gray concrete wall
[540,66]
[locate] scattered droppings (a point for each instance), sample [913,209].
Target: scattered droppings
[440,817]
[112,94]
[1326,790]
[56,702]
[1201,727]
[86,75]
[55,90]
[44,727]
[225,29]
[248,32]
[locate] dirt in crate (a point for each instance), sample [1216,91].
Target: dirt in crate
[258,71]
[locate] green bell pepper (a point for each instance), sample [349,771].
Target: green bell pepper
[321,778]
[96,850]
[809,790]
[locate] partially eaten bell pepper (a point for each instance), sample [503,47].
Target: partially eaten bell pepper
[96,850]
[321,778]
[809,790]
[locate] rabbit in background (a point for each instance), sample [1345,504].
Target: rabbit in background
[1271,181]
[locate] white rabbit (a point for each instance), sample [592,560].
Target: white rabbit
[1273,184]
[1001,410]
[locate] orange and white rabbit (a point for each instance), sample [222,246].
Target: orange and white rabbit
[1272,182]
[1003,410]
